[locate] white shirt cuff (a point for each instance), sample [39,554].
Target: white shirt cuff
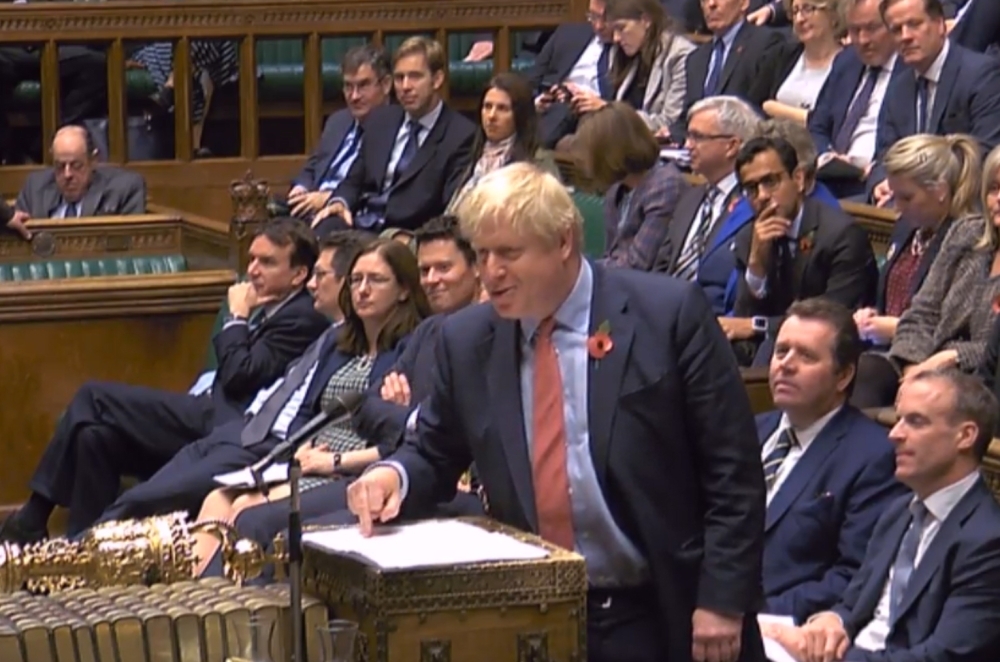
[757,285]
[234,322]
[411,421]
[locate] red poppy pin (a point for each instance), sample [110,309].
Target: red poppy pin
[806,243]
[996,305]
[732,205]
[600,343]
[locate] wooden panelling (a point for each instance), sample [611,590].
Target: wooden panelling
[56,335]
[755,380]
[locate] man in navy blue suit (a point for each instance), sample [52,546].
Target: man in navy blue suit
[929,587]
[623,455]
[845,119]
[977,26]
[367,85]
[828,468]
[945,89]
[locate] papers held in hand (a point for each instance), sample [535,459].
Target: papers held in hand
[273,475]
[424,545]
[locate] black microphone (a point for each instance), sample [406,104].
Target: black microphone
[340,408]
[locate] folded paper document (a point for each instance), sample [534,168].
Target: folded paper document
[276,473]
[424,545]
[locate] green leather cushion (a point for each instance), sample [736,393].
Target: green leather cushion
[279,66]
[592,209]
[120,266]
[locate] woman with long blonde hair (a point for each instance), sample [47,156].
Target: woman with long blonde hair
[939,269]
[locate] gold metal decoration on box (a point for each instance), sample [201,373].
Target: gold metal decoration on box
[155,550]
[518,611]
[209,620]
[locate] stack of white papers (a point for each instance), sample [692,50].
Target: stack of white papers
[273,475]
[424,545]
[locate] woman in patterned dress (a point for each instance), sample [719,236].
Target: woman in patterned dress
[383,303]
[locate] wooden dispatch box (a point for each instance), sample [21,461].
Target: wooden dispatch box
[516,611]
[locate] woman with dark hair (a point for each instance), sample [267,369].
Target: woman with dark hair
[383,303]
[648,67]
[508,132]
[621,156]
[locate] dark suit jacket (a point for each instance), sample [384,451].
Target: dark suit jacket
[559,55]
[979,28]
[839,265]
[683,483]
[424,189]
[337,126]
[112,192]
[747,72]
[251,360]
[834,100]
[386,421]
[951,608]
[967,100]
[634,243]
[821,519]
[988,372]
[902,232]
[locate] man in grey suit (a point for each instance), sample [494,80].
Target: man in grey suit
[367,82]
[75,186]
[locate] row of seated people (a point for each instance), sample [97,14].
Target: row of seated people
[881,546]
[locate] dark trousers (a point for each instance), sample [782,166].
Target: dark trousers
[876,383]
[83,81]
[185,481]
[112,430]
[624,625]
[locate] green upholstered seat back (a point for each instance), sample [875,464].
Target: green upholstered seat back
[592,209]
[89,267]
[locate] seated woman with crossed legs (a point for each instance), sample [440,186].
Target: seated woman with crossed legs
[383,303]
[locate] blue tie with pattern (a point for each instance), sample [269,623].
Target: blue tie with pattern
[906,559]
[772,463]
[715,75]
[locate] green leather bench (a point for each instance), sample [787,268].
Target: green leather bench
[280,71]
[592,210]
[84,268]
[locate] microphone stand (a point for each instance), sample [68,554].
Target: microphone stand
[297,628]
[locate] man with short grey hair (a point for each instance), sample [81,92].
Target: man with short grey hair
[697,242]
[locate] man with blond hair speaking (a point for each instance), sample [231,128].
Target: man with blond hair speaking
[592,401]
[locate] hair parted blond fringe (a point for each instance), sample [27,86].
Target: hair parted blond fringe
[525,197]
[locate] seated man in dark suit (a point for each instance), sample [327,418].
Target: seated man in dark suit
[450,279]
[703,226]
[577,54]
[367,83]
[413,155]
[929,587]
[828,468]
[977,26]
[110,430]
[76,186]
[948,89]
[844,122]
[796,247]
[735,62]
[276,412]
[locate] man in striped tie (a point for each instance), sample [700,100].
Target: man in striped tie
[929,586]
[828,468]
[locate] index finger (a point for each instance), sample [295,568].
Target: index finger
[358,502]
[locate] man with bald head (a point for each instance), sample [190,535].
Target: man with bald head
[76,187]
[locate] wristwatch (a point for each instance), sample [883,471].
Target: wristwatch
[759,324]
[235,318]
[336,461]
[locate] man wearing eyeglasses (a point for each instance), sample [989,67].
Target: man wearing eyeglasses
[76,187]
[367,81]
[796,247]
[697,243]
[845,119]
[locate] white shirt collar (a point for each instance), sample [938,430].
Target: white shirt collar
[941,503]
[805,436]
[933,73]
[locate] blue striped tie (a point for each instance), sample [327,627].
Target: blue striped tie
[772,463]
[906,559]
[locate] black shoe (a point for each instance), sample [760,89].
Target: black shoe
[14,531]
